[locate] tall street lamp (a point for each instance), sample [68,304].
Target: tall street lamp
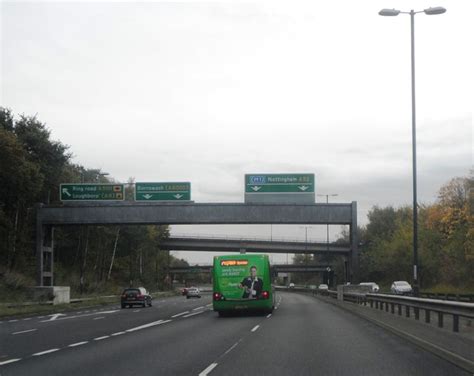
[392,13]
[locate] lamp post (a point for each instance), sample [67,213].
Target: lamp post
[392,13]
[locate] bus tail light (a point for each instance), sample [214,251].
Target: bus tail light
[217,296]
[265,294]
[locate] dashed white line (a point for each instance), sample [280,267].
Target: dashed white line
[269,315]
[180,314]
[9,361]
[255,328]
[45,352]
[24,331]
[194,314]
[148,325]
[78,344]
[198,308]
[15,320]
[137,310]
[99,318]
[101,338]
[231,348]
[40,317]
[209,305]
[208,369]
[117,334]
[28,318]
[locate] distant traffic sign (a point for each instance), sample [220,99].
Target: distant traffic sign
[279,188]
[92,192]
[276,183]
[162,191]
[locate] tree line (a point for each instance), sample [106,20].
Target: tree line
[445,243]
[87,258]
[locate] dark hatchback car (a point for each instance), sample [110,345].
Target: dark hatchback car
[135,296]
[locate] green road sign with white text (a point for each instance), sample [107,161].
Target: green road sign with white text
[279,183]
[92,192]
[162,191]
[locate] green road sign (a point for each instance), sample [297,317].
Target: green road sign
[279,183]
[162,191]
[91,192]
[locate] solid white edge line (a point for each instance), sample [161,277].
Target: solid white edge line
[45,352]
[180,314]
[269,315]
[9,361]
[24,331]
[117,334]
[208,369]
[77,344]
[101,338]
[198,308]
[194,314]
[255,328]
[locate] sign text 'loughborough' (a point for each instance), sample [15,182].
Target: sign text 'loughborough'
[92,192]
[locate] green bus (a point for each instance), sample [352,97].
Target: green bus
[242,283]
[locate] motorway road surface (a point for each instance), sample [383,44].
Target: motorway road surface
[303,336]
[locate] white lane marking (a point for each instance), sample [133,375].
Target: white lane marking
[117,334]
[15,320]
[198,308]
[28,318]
[137,310]
[148,325]
[180,314]
[208,369]
[269,315]
[101,338]
[45,352]
[40,317]
[9,361]
[99,318]
[24,331]
[78,344]
[85,315]
[231,348]
[194,314]
[255,328]
[54,316]
[209,305]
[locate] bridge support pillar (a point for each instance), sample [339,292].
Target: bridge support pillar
[354,255]
[44,255]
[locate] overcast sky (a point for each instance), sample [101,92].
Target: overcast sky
[208,91]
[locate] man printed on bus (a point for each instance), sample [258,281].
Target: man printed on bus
[252,285]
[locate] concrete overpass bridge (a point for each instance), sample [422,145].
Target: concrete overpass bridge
[277,268]
[216,244]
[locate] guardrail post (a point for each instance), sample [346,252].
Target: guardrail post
[392,306]
[427,316]
[371,304]
[417,313]
[407,311]
[386,306]
[440,319]
[376,304]
[399,309]
[455,323]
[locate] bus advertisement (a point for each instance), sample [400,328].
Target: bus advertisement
[242,283]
